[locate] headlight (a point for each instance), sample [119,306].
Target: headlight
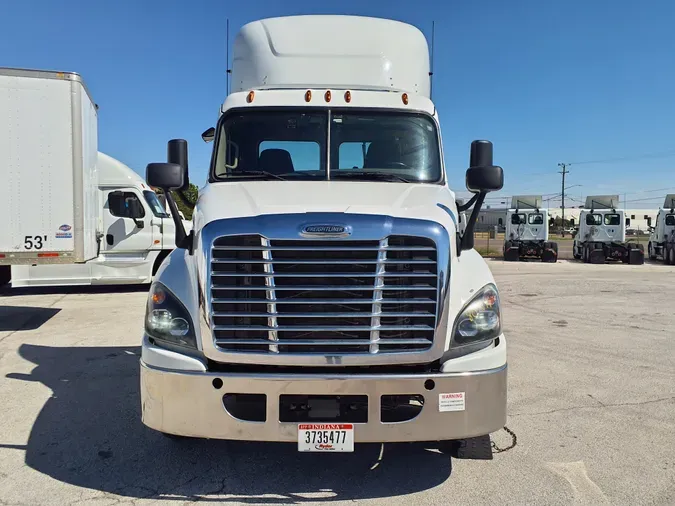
[481,319]
[167,319]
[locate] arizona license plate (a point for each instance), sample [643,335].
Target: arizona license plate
[326,437]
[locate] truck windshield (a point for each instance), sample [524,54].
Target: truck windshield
[155,204]
[293,145]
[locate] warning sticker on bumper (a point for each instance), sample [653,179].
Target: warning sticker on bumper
[451,402]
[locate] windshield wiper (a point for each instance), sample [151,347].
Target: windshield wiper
[259,173]
[374,175]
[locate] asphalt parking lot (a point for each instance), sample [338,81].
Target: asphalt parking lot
[591,403]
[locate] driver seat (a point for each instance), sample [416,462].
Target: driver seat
[383,155]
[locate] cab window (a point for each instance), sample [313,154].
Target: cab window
[613,219]
[670,220]
[118,204]
[517,219]
[535,219]
[593,219]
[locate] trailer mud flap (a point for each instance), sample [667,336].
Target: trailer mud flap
[636,257]
[549,255]
[511,255]
[597,256]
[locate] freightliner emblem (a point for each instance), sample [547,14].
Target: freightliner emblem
[333,230]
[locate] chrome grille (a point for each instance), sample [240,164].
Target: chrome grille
[323,296]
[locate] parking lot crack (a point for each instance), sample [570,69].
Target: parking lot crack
[599,406]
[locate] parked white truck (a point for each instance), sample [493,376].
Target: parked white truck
[73,215]
[324,295]
[662,237]
[602,233]
[526,233]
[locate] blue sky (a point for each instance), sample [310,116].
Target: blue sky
[547,82]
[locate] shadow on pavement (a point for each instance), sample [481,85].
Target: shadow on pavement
[15,318]
[89,434]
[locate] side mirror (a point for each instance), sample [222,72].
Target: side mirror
[177,152]
[167,176]
[482,175]
[551,221]
[649,221]
[209,134]
[571,222]
[628,222]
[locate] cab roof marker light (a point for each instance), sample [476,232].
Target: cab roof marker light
[348,96]
[308,95]
[327,95]
[250,96]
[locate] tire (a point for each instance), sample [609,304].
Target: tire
[671,256]
[577,256]
[474,448]
[666,254]
[586,254]
[652,256]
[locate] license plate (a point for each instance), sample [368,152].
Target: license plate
[326,437]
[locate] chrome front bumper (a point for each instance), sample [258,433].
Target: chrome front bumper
[187,403]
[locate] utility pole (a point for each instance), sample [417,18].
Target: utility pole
[563,172]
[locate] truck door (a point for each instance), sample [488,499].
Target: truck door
[123,234]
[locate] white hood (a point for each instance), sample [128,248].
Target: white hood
[254,198]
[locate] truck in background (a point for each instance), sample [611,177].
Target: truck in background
[662,234]
[526,234]
[75,216]
[602,233]
[325,295]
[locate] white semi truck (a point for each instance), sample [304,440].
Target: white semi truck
[74,215]
[526,234]
[324,295]
[662,237]
[602,233]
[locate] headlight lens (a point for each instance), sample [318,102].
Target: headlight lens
[167,319]
[481,319]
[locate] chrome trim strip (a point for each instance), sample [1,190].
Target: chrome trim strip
[378,295]
[270,295]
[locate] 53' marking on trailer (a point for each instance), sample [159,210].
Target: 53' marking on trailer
[34,241]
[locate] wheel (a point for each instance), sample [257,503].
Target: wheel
[575,253]
[650,250]
[671,256]
[587,254]
[666,254]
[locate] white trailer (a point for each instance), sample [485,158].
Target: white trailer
[74,215]
[602,233]
[662,236]
[326,295]
[49,197]
[526,233]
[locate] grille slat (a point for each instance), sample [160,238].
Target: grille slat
[323,296]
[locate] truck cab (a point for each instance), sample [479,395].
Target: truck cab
[602,233]
[662,234]
[526,234]
[326,294]
[137,233]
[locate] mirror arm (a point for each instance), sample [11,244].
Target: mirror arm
[468,204]
[467,238]
[183,240]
